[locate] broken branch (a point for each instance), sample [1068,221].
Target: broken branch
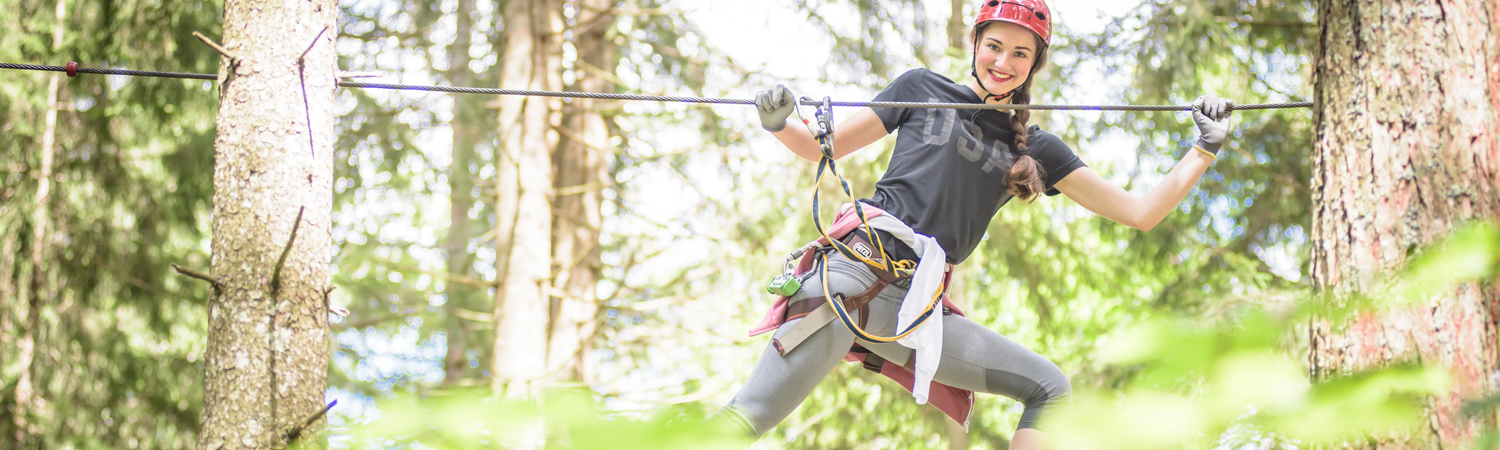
[292,436]
[314,43]
[218,287]
[276,273]
[216,46]
[302,78]
[347,74]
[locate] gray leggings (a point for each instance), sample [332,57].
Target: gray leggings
[974,357]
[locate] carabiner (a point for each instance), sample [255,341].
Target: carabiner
[811,128]
[825,125]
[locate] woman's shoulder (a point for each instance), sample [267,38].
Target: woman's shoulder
[1040,139]
[921,84]
[923,75]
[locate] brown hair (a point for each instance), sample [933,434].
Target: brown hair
[1026,174]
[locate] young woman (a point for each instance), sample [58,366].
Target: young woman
[950,172]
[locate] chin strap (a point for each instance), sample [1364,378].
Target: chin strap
[989,95]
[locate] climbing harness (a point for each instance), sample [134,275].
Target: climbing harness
[72,70]
[884,263]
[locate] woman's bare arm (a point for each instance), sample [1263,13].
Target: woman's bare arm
[860,130]
[1096,194]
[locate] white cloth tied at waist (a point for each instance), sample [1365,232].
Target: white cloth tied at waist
[926,342]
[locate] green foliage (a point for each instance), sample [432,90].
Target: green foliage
[1472,253]
[117,361]
[1190,384]
[564,419]
[1212,295]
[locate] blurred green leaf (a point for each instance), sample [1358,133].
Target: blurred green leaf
[1140,420]
[1377,401]
[471,418]
[1468,254]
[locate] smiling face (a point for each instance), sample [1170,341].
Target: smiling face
[1004,57]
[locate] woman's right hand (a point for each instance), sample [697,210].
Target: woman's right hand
[774,105]
[1212,116]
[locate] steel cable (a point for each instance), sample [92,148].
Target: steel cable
[664,98]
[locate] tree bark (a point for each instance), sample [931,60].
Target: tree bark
[266,364]
[467,133]
[25,392]
[581,175]
[524,207]
[1408,150]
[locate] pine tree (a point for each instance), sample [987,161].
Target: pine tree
[531,59]
[1408,149]
[267,357]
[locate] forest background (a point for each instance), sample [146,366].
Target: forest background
[695,207]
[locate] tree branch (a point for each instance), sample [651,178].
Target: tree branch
[218,287]
[302,77]
[291,436]
[474,316]
[347,74]
[309,50]
[276,273]
[234,62]
[215,46]
[366,322]
[445,275]
[146,286]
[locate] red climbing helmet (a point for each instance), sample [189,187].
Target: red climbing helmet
[1032,14]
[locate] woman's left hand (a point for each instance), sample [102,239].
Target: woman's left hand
[1212,116]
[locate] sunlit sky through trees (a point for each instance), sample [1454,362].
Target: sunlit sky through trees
[778,43]
[668,219]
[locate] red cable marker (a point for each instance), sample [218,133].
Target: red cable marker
[72,70]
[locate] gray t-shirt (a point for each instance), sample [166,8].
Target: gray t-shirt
[950,169]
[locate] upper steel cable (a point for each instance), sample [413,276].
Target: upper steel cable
[72,70]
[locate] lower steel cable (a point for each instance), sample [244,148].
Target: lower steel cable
[658,98]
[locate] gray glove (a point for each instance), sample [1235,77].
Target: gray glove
[774,105]
[1212,115]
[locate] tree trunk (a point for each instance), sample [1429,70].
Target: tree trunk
[266,365]
[467,133]
[1408,150]
[39,287]
[958,25]
[524,207]
[581,175]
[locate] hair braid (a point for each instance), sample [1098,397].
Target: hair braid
[1026,174]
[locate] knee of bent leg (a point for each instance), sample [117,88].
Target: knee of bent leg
[731,421]
[1040,388]
[1053,387]
[1041,393]
[1052,391]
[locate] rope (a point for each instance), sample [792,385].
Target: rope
[662,98]
[133,73]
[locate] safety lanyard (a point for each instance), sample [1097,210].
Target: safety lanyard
[823,132]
